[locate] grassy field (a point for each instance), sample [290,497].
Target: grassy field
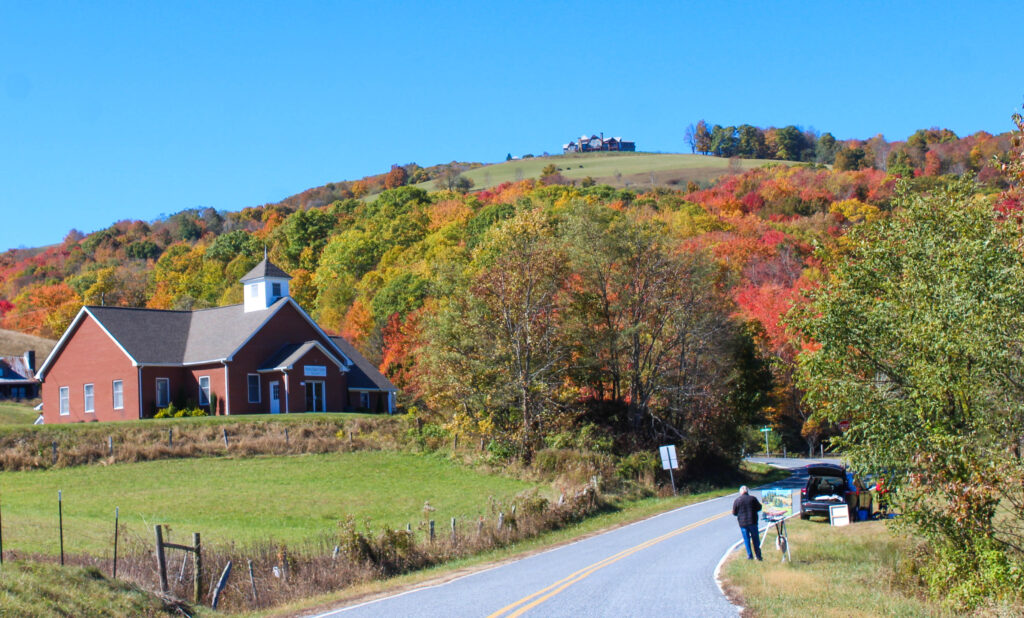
[846,571]
[17,413]
[287,499]
[619,169]
[13,343]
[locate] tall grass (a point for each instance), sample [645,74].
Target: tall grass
[31,448]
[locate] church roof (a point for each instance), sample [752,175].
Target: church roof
[265,268]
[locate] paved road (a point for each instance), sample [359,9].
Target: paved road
[660,566]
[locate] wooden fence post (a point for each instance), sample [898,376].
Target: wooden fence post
[170,437]
[114,571]
[53,446]
[1,537]
[286,435]
[110,446]
[501,520]
[60,519]
[453,529]
[161,560]
[431,530]
[252,582]
[197,567]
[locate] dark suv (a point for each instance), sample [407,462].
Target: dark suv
[827,485]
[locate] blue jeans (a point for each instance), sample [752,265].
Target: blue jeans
[751,536]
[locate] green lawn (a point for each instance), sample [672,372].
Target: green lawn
[287,499]
[614,168]
[17,414]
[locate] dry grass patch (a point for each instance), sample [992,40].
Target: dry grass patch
[848,571]
[13,343]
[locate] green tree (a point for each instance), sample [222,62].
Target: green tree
[849,159]
[501,334]
[825,149]
[899,164]
[302,230]
[751,142]
[723,141]
[918,341]
[789,143]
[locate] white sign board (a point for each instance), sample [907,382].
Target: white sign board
[668,457]
[315,371]
[839,515]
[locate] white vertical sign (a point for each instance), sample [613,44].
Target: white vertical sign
[668,457]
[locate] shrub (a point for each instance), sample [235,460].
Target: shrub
[172,411]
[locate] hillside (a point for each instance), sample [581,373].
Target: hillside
[635,170]
[13,343]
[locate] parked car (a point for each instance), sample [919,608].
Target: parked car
[828,485]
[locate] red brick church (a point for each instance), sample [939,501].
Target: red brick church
[265,356]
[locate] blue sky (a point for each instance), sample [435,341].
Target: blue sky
[131,110]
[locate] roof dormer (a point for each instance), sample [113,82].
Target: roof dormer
[264,285]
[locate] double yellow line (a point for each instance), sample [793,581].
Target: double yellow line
[525,604]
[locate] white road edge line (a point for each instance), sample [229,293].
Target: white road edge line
[718,574]
[335,612]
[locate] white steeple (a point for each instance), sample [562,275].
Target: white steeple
[264,285]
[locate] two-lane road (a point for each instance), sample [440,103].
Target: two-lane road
[662,565]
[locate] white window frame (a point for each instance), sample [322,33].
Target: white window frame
[259,387]
[117,394]
[254,290]
[89,398]
[166,381]
[204,391]
[65,400]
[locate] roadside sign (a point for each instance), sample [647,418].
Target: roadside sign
[844,425]
[766,430]
[669,461]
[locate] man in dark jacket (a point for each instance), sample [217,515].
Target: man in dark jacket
[745,508]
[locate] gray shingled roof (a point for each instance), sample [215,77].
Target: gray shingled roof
[172,337]
[362,374]
[265,268]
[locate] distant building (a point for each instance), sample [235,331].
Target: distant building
[596,143]
[17,379]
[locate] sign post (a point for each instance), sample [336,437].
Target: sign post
[766,431]
[669,462]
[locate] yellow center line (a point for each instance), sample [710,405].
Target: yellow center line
[557,587]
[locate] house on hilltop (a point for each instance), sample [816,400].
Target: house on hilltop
[17,379]
[265,356]
[596,143]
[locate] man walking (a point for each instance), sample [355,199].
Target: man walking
[745,508]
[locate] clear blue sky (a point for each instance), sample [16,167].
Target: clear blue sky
[131,110]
